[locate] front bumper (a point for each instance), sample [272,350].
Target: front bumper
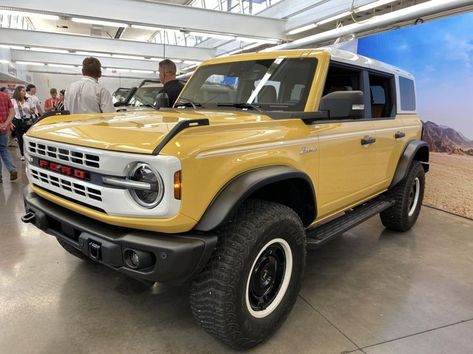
[175,257]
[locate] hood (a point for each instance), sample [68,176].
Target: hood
[136,132]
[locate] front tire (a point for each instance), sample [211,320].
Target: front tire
[408,196]
[253,278]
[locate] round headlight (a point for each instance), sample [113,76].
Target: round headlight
[147,197]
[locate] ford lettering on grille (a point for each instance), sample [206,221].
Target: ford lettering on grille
[64,170]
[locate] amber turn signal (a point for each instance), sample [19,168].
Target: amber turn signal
[177,185]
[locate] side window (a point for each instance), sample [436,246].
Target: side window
[381,94]
[407,92]
[342,78]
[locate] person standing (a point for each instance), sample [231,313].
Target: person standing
[35,105]
[6,116]
[51,103]
[60,104]
[87,95]
[22,121]
[167,75]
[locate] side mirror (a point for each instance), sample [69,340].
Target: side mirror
[162,100]
[343,104]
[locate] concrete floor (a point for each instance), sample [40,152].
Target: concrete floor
[369,291]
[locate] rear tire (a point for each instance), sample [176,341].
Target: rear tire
[408,196]
[72,250]
[253,278]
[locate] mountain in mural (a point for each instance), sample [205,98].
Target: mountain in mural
[446,139]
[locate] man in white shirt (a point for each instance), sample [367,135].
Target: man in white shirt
[33,101]
[87,95]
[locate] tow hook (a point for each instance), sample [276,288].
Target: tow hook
[28,217]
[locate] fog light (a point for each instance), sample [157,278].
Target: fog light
[135,259]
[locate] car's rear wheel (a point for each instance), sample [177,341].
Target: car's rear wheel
[408,196]
[253,278]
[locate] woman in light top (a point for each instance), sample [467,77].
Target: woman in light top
[22,121]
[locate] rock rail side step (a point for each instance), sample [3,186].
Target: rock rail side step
[317,236]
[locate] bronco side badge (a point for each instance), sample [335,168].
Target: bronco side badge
[307,149]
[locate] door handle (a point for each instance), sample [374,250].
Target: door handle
[399,135]
[368,140]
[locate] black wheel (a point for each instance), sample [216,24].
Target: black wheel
[253,278]
[72,250]
[408,196]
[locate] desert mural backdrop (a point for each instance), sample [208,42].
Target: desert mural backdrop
[440,55]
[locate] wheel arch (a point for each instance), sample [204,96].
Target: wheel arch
[416,150]
[281,184]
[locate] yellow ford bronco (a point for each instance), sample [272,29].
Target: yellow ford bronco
[263,156]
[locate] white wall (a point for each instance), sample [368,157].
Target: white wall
[12,71]
[44,82]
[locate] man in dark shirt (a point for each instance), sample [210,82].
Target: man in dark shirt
[167,76]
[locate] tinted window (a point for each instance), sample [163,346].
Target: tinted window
[408,97]
[378,95]
[381,94]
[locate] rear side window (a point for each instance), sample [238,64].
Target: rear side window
[381,94]
[407,92]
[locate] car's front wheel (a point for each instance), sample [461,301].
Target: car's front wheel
[253,278]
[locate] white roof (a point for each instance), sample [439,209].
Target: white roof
[347,57]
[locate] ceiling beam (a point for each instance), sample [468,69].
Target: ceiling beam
[322,11]
[435,8]
[73,59]
[77,71]
[95,44]
[158,14]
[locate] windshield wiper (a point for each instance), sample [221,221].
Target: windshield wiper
[185,102]
[241,105]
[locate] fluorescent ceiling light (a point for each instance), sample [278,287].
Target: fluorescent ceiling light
[373,5]
[301,29]
[146,27]
[234,52]
[155,59]
[191,62]
[62,66]
[121,70]
[333,18]
[190,67]
[18,47]
[30,63]
[99,22]
[252,46]
[257,40]
[212,35]
[3,61]
[93,54]
[48,50]
[124,56]
[29,14]
[143,71]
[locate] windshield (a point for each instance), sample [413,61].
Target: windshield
[145,96]
[270,84]
[120,95]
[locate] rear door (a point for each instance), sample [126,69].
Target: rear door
[346,170]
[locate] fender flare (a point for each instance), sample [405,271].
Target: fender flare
[234,193]
[414,148]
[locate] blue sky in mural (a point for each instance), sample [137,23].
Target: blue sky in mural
[440,55]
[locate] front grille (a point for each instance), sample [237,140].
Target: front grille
[64,154]
[65,185]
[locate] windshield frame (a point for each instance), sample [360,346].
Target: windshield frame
[140,99]
[303,104]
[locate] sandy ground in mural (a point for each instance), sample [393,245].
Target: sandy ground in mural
[449,183]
